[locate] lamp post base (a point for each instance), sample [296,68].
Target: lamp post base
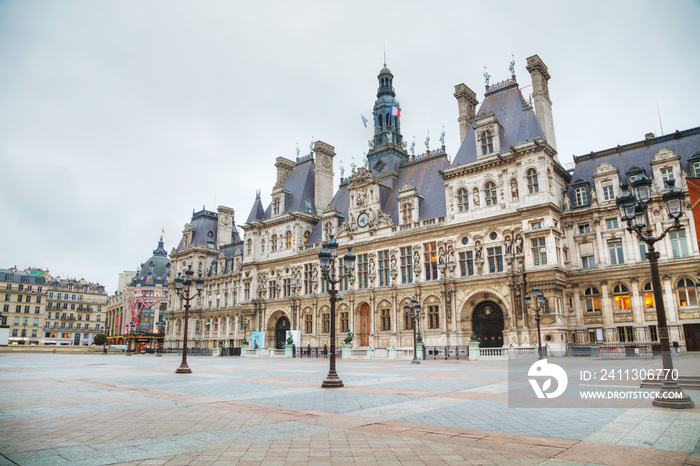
[671,396]
[415,361]
[332,381]
[183,369]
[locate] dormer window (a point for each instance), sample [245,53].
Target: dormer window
[694,164]
[486,142]
[463,199]
[581,196]
[276,206]
[407,212]
[667,174]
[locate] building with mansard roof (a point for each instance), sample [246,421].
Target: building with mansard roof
[136,312]
[468,236]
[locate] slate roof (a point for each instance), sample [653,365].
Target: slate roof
[205,227]
[423,174]
[516,117]
[641,153]
[21,277]
[299,188]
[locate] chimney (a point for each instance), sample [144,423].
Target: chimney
[224,226]
[284,168]
[649,136]
[543,106]
[323,169]
[466,102]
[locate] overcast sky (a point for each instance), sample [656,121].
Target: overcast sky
[118,118]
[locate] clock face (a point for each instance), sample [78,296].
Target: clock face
[362,220]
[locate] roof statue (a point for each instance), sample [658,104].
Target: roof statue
[311,144]
[511,68]
[442,136]
[427,141]
[298,150]
[486,76]
[413,146]
[342,170]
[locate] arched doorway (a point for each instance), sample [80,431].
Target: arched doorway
[281,328]
[364,325]
[487,324]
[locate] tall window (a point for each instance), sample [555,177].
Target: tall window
[430,259]
[686,293]
[386,320]
[678,243]
[611,223]
[608,192]
[433,317]
[344,321]
[466,263]
[384,268]
[532,184]
[617,257]
[486,142]
[407,264]
[407,212]
[276,206]
[648,296]
[288,240]
[408,322]
[273,243]
[362,270]
[581,196]
[539,251]
[592,296]
[653,333]
[326,319]
[495,256]
[584,228]
[490,193]
[286,288]
[272,289]
[463,199]
[308,278]
[308,323]
[341,271]
[246,291]
[587,256]
[621,296]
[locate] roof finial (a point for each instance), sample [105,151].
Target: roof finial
[384,56]
[511,68]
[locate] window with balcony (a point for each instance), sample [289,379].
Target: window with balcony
[678,244]
[539,251]
[617,256]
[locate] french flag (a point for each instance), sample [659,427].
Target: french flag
[395,111]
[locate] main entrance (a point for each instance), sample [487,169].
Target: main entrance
[692,337]
[281,328]
[487,324]
[364,325]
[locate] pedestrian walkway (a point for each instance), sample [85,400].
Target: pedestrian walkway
[61,409]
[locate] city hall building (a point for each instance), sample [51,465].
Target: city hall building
[468,235]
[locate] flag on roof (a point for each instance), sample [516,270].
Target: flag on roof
[396,111]
[364,120]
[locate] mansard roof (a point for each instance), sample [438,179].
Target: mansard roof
[299,189]
[423,172]
[204,225]
[639,154]
[516,117]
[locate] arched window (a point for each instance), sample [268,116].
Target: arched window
[532,184]
[273,243]
[407,212]
[490,193]
[486,142]
[288,240]
[687,295]
[306,236]
[463,199]
[592,296]
[648,296]
[621,295]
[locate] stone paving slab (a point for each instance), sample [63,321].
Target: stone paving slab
[95,410]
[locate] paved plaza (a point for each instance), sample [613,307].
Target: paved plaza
[95,409]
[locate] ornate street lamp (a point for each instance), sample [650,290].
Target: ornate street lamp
[633,210]
[182,288]
[414,311]
[326,258]
[540,306]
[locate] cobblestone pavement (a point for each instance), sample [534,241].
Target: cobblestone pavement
[98,409]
